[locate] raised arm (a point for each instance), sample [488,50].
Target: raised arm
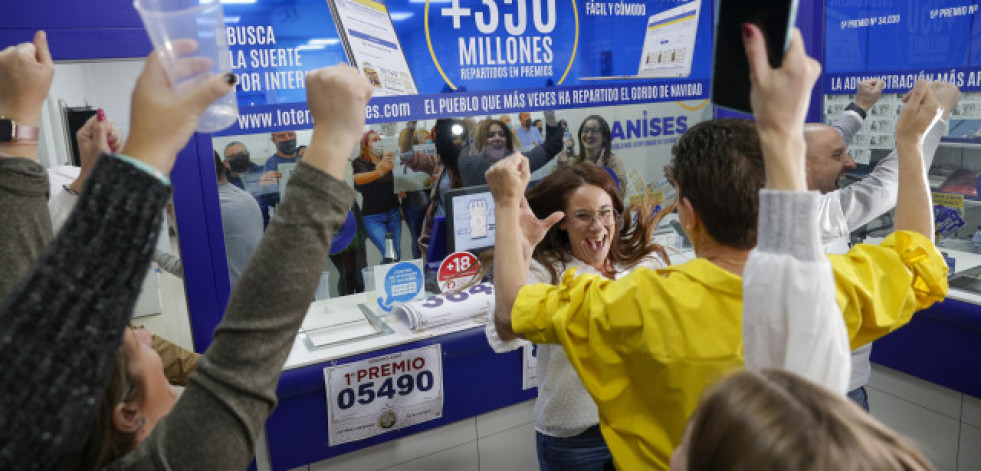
[913,205]
[790,319]
[234,384]
[66,317]
[518,231]
[850,121]
[857,204]
[26,72]
[543,153]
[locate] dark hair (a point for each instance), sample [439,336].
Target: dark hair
[480,139]
[219,168]
[607,144]
[774,419]
[633,238]
[718,166]
[235,143]
[446,149]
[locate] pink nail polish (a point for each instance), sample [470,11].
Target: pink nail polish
[100,115]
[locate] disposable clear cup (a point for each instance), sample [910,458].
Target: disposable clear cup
[172,26]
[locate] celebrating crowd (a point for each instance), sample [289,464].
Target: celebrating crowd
[740,358]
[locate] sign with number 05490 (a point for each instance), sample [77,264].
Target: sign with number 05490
[373,396]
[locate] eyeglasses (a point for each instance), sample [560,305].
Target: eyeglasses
[496,134]
[606,217]
[591,131]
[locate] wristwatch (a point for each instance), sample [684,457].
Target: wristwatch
[858,109]
[12,131]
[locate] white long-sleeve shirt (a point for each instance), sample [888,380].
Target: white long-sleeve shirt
[842,211]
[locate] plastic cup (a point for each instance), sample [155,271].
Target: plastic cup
[191,39]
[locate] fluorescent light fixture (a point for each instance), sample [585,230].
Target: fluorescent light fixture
[324,41]
[310,47]
[401,15]
[430,1]
[232,19]
[202,2]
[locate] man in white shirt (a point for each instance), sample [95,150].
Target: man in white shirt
[842,210]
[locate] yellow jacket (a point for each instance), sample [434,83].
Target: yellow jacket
[648,344]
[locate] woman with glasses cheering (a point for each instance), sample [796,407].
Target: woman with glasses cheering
[494,141]
[595,143]
[597,236]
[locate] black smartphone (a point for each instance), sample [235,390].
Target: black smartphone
[730,68]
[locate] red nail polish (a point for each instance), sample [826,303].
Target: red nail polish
[747,31]
[100,115]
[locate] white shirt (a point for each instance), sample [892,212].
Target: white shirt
[564,408]
[842,211]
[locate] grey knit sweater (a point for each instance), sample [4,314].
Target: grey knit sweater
[62,324]
[233,389]
[25,227]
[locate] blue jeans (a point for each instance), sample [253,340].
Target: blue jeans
[376,225]
[860,397]
[584,452]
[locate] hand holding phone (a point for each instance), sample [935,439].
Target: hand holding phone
[730,71]
[780,97]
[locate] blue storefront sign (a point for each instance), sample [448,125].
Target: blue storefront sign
[437,58]
[900,41]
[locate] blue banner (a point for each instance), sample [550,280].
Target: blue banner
[965,78]
[436,58]
[293,116]
[898,39]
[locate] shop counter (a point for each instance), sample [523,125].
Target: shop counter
[475,381]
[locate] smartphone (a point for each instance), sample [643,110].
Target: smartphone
[730,68]
[371,45]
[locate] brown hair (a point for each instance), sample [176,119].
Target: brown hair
[718,166]
[480,139]
[633,240]
[606,146]
[776,420]
[365,152]
[104,443]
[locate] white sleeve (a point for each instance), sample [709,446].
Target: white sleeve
[849,208]
[790,317]
[848,124]
[536,274]
[60,205]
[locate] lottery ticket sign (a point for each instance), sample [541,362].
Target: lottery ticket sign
[385,393]
[457,270]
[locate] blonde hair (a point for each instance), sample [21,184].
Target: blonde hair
[776,420]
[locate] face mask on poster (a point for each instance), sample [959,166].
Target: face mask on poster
[240,163]
[287,147]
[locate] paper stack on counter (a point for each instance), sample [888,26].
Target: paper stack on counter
[478,300]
